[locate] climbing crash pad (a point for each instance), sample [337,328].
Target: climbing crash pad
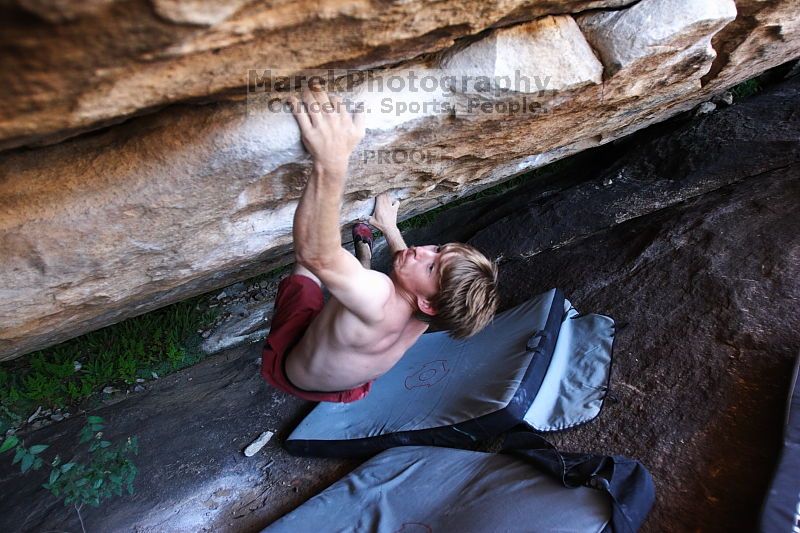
[541,363]
[530,487]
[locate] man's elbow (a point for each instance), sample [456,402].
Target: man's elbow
[308,261]
[313,262]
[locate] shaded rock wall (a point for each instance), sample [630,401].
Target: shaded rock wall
[106,226]
[703,362]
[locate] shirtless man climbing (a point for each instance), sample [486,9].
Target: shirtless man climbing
[333,352]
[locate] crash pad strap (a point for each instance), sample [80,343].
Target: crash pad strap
[626,481]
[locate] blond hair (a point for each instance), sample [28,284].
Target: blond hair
[467,297]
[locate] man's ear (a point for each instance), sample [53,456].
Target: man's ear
[425,306]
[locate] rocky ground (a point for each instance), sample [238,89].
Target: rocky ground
[688,235]
[708,293]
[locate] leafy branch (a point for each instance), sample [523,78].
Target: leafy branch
[108,470]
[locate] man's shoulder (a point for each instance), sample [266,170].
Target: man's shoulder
[375,295]
[380,285]
[377,333]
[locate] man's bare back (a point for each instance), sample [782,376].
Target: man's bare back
[339,351]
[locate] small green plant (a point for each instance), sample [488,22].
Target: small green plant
[746,88]
[70,373]
[107,471]
[175,354]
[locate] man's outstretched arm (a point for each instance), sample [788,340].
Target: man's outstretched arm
[330,134]
[385,219]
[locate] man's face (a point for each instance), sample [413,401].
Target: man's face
[416,269]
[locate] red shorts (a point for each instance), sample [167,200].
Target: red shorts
[297,304]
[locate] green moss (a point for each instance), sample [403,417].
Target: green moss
[746,88]
[162,341]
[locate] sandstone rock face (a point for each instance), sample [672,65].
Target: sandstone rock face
[752,40]
[551,48]
[106,226]
[623,38]
[68,66]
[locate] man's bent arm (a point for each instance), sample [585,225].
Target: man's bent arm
[385,219]
[395,240]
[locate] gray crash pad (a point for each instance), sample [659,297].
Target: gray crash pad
[420,489]
[540,362]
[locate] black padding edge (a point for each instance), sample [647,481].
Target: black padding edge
[780,509]
[626,481]
[465,434]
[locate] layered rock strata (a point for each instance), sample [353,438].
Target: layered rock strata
[110,225]
[71,66]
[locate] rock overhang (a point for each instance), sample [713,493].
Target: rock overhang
[194,197]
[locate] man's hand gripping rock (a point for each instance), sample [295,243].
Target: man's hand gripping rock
[329,131]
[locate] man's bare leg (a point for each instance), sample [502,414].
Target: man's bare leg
[362,243]
[364,254]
